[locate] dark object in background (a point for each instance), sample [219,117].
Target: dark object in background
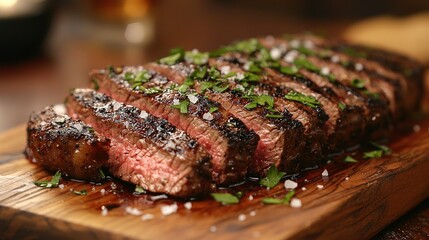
[23,33]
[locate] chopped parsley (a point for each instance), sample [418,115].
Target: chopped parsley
[373,154]
[305,51]
[185,86]
[199,73]
[385,149]
[227,198]
[101,174]
[220,89]
[247,46]
[292,70]
[82,192]
[196,57]
[254,68]
[206,85]
[150,91]
[304,63]
[96,86]
[182,106]
[273,116]
[213,109]
[176,55]
[372,95]
[273,177]
[261,100]
[139,190]
[53,183]
[358,83]
[350,159]
[299,97]
[285,200]
[354,53]
[341,106]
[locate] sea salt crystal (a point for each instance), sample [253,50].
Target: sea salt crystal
[252,213]
[295,203]
[113,186]
[319,186]
[325,71]
[78,127]
[188,205]
[176,101]
[61,186]
[289,184]
[133,211]
[147,216]
[241,217]
[358,67]
[116,106]
[325,173]
[104,211]
[347,178]
[60,109]
[208,116]
[304,189]
[416,128]
[290,56]
[335,59]
[169,209]
[308,44]
[295,43]
[225,70]
[143,114]
[250,197]
[59,119]
[192,98]
[103,191]
[275,53]
[240,76]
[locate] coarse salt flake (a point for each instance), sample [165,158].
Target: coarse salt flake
[295,203]
[104,211]
[319,186]
[208,116]
[225,69]
[188,205]
[416,128]
[213,228]
[358,67]
[335,59]
[192,98]
[325,71]
[103,191]
[250,197]
[295,43]
[176,101]
[308,44]
[133,211]
[147,216]
[240,76]
[169,209]
[347,178]
[116,106]
[252,213]
[304,189]
[325,173]
[60,109]
[275,53]
[61,186]
[241,217]
[289,184]
[290,56]
[143,114]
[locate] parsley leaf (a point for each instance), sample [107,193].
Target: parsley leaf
[152,90]
[197,57]
[350,159]
[304,63]
[53,183]
[213,109]
[341,106]
[206,85]
[273,116]
[101,173]
[183,106]
[353,52]
[220,89]
[199,73]
[292,70]
[285,200]
[372,95]
[247,46]
[273,177]
[226,198]
[299,97]
[139,190]
[185,86]
[373,154]
[305,51]
[82,192]
[96,85]
[261,100]
[358,83]
[175,56]
[384,148]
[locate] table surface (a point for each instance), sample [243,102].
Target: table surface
[67,57]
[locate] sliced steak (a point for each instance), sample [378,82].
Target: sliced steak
[59,143]
[225,137]
[278,144]
[144,149]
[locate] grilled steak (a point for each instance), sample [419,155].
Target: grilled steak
[58,142]
[194,119]
[225,138]
[144,149]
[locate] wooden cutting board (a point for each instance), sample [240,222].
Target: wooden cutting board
[376,192]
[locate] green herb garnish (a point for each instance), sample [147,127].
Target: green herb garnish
[372,95]
[96,86]
[196,57]
[101,174]
[213,109]
[350,159]
[273,177]
[341,106]
[261,100]
[183,106]
[151,90]
[285,200]
[273,116]
[53,183]
[292,70]
[186,85]
[226,198]
[358,83]
[299,97]
[354,53]
[247,46]
[220,89]
[139,190]
[176,55]
[304,63]
[373,154]
[385,149]
[305,51]
[82,192]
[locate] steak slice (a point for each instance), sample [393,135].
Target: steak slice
[225,138]
[59,143]
[144,149]
[278,143]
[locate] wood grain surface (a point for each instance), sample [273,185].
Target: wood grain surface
[377,192]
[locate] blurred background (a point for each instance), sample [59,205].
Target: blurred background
[48,47]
